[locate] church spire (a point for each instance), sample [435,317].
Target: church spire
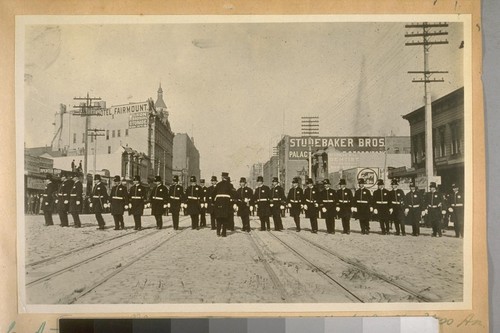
[160,104]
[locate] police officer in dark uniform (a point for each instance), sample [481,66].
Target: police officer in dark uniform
[413,208]
[294,198]
[396,207]
[119,202]
[209,202]
[176,193]
[48,197]
[311,204]
[433,205]
[203,208]
[262,200]
[158,197]
[344,201]
[244,197]
[362,203]
[455,204]
[138,195]
[222,204]
[63,195]
[277,203]
[381,206]
[192,202]
[328,205]
[76,200]
[234,201]
[99,201]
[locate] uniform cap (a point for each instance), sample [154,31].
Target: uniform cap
[192,179]
[309,181]
[275,180]
[260,179]
[326,181]
[394,182]
[175,178]
[243,180]
[361,181]
[342,182]
[295,181]
[454,185]
[116,179]
[380,182]
[48,176]
[225,174]
[137,178]
[433,184]
[213,179]
[202,181]
[157,179]
[412,184]
[97,177]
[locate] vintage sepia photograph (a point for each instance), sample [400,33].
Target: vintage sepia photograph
[249,163]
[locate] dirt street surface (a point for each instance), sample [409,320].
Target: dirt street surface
[89,266]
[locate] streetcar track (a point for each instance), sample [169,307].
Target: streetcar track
[365,269]
[121,268]
[272,274]
[319,270]
[97,256]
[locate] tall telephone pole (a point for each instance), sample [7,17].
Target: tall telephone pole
[425,39]
[95,132]
[86,110]
[310,128]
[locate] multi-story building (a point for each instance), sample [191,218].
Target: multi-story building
[256,170]
[271,169]
[447,138]
[186,162]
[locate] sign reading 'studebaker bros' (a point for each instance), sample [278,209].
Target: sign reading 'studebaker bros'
[299,146]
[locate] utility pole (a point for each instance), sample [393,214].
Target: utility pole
[276,153]
[86,110]
[428,30]
[310,128]
[95,132]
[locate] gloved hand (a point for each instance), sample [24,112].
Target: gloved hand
[165,206]
[305,207]
[78,202]
[353,209]
[66,201]
[391,210]
[247,199]
[426,211]
[148,205]
[450,210]
[91,205]
[337,209]
[323,210]
[443,212]
[46,204]
[407,210]
[316,205]
[371,209]
[105,205]
[423,213]
[282,207]
[57,200]
[168,205]
[251,208]
[271,205]
[375,211]
[289,205]
[235,207]
[184,205]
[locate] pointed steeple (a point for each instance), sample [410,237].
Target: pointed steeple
[160,104]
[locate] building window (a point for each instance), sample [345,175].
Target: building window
[118,133]
[107,135]
[109,149]
[113,135]
[455,139]
[442,147]
[126,132]
[74,137]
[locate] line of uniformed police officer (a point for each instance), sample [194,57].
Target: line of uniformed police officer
[220,200]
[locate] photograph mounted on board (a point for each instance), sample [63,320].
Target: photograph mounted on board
[244,163]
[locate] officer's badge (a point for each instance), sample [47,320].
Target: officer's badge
[161,190]
[139,190]
[459,197]
[435,196]
[262,191]
[414,195]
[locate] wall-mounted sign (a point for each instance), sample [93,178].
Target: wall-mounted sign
[369,175]
[126,108]
[138,120]
[299,146]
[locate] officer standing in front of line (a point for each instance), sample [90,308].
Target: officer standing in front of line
[294,198]
[176,193]
[192,202]
[209,202]
[262,200]
[433,205]
[204,206]
[362,205]
[137,198]
[277,203]
[222,204]
[455,202]
[48,198]
[63,195]
[244,196]
[311,204]
[328,205]
[158,198]
[396,210]
[119,202]
[76,199]
[344,200]
[99,201]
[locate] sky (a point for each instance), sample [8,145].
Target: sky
[238,87]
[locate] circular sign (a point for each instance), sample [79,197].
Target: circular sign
[369,175]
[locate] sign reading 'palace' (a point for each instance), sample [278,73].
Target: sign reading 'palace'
[299,146]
